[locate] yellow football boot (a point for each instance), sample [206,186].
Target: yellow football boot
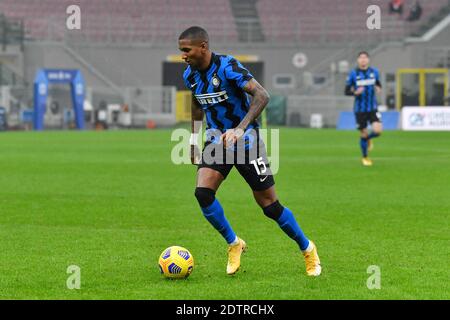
[366,162]
[312,261]
[234,256]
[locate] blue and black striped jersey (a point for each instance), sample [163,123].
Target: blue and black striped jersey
[219,91]
[369,78]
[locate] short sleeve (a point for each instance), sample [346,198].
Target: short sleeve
[351,79]
[186,75]
[377,75]
[237,73]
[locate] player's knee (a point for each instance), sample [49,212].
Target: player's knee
[274,210]
[205,196]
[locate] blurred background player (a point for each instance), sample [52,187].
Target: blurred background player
[364,83]
[219,85]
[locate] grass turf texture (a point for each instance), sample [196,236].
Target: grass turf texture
[110,202]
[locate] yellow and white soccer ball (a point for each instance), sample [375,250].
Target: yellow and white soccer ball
[176,262]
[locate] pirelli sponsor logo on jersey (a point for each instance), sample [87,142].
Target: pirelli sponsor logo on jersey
[366,82]
[212,98]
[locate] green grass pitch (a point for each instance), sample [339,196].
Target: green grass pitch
[110,202]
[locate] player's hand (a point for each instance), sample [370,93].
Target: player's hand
[359,91]
[195,154]
[230,136]
[378,89]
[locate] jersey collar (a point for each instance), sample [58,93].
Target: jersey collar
[361,70]
[213,57]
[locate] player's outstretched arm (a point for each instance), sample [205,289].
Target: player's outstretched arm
[196,117]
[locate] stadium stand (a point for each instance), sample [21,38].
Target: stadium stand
[305,20]
[124,20]
[156,21]
[122,44]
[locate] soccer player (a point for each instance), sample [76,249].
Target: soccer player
[220,87]
[364,83]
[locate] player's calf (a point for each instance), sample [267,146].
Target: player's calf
[286,220]
[377,128]
[374,134]
[213,212]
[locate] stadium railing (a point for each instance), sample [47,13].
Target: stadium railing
[155,104]
[301,108]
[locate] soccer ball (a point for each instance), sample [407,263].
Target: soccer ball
[176,262]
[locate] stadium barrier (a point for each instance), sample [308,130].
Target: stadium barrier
[126,107]
[390,120]
[426,118]
[3,123]
[300,109]
[137,107]
[157,104]
[276,110]
[183,106]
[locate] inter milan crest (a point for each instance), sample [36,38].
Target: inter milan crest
[215,81]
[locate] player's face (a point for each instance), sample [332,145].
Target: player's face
[363,61]
[192,52]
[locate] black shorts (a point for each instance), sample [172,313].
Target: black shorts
[252,164]
[363,118]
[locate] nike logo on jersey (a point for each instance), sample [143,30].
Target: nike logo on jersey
[263,179]
[193,85]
